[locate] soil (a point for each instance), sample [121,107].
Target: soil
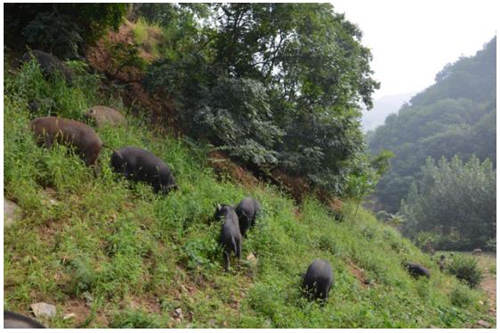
[489,284]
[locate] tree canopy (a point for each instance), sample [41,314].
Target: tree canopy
[303,67]
[456,201]
[455,116]
[59,28]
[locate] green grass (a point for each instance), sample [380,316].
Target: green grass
[148,36]
[130,258]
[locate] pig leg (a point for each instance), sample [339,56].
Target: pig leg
[238,248]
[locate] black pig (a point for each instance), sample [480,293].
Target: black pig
[318,280]
[247,211]
[140,165]
[49,64]
[417,270]
[230,237]
[16,320]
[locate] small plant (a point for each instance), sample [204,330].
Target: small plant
[466,269]
[135,319]
[124,55]
[461,296]
[201,252]
[491,244]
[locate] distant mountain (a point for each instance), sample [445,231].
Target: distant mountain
[383,107]
[454,116]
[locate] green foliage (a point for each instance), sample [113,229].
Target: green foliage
[455,116]
[54,95]
[148,36]
[133,257]
[63,29]
[424,240]
[135,319]
[124,55]
[55,33]
[237,116]
[466,269]
[461,296]
[274,84]
[456,200]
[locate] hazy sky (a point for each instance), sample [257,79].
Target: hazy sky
[411,40]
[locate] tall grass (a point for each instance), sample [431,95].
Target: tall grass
[148,36]
[132,258]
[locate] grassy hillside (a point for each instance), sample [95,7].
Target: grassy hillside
[117,255]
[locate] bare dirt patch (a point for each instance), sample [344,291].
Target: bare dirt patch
[80,310]
[223,165]
[486,261]
[359,273]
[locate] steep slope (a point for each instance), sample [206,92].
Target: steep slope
[117,255]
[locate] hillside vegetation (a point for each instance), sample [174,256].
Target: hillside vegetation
[454,116]
[117,255]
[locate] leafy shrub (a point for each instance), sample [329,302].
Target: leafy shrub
[63,28]
[136,319]
[124,55]
[272,104]
[148,36]
[466,269]
[461,296]
[491,244]
[54,96]
[201,252]
[55,33]
[454,199]
[237,115]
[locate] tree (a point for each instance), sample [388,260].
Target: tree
[455,116]
[455,200]
[63,28]
[314,73]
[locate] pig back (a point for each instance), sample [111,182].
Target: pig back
[68,132]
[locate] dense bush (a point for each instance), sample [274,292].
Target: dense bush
[63,29]
[461,296]
[236,115]
[466,269]
[455,200]
[273,84]
[55,33]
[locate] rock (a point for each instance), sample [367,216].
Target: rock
[69,316]
[49,193]
[484,324]
[88,298]
[476,252]
[43,310]
[178,313]
[12,212]
[252,259]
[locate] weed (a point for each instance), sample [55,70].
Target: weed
[466,269]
